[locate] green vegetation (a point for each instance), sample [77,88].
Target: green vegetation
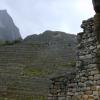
[24,98]
[40,72]
[45,71]
[2,43]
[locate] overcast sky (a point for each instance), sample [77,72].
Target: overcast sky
[36,16]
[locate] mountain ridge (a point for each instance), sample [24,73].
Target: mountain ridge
[8,30]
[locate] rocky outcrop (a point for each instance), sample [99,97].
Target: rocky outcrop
[8,30]
[52,36]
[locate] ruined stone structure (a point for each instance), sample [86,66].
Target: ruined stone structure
[84,82]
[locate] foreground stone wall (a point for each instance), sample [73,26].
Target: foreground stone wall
[84,82]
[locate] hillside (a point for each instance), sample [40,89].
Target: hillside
[8,30]
[25,68]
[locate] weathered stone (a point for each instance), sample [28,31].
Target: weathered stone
[91,77]
[91,97]
[97,77]
[95,93]
[86,83]
[79,97]
[98,46]
[98,88]
[93,88]
[89,92]
[81,84]
[89,83]
[98,82]
[85,97]
[94,72]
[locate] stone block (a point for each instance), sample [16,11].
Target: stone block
[98,88]
[95,93]
[61,98]
[98,46]
[91,97]
[85,97]
[93,88]
[79,97]
[94,72]
[89,92]
[91,78]
[89,83]
[98,82]
[97,77]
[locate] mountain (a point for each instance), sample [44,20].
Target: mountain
[59,47]
[8,30]
[25,67]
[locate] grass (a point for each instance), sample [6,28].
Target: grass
[24,98]
[45,71]
[9,42]
[37,71]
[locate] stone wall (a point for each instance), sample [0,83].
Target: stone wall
[84,82]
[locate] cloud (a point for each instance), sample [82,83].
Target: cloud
[36,16]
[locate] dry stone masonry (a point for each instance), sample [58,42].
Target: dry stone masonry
[84,82]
